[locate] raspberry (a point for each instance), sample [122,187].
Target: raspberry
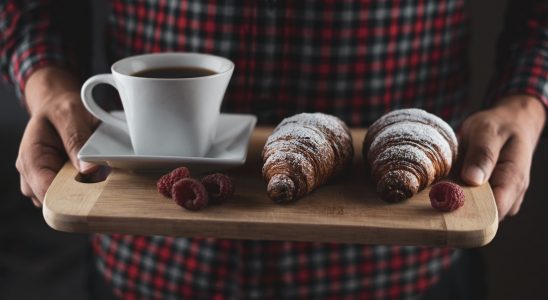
[165,182]
[189,193]
[219,187]
[446,196]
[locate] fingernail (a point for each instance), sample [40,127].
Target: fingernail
[86,166]
[474,175]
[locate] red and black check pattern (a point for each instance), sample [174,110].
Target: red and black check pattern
[522,61]
[351,58]
[205,268]
[354,59]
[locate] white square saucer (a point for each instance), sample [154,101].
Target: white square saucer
[112,147]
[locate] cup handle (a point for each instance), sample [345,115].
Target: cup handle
[91,105]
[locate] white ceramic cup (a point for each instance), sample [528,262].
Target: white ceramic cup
[168,117]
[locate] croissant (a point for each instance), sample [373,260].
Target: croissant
[303,152]
[407,150]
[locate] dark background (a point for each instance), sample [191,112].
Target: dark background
[37,262]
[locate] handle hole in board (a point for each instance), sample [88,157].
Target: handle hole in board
[98,176]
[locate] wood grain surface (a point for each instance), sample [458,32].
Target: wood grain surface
[346,210]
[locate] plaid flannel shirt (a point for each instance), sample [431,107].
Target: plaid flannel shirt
[356,59]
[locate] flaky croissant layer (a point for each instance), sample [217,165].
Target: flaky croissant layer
[304,152]
[407,150]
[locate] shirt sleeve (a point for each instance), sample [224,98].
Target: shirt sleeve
[522,60]
[28,40]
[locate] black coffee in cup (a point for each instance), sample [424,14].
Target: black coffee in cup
[174,72]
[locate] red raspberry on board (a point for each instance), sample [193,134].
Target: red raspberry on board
[446,196]
[219,187]
[189,193]
[164,184]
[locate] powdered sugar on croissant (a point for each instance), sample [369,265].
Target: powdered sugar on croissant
[407,150]
[304,152]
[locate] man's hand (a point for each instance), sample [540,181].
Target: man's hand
[58,127]
[498,146]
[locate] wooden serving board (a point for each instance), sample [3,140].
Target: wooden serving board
[346,210]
